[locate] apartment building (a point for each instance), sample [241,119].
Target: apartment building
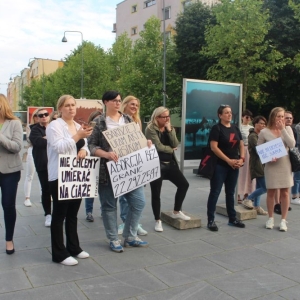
[37,67]
[133,14]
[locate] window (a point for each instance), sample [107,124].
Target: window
[168,35]
[186,3]
[149,3]
[133,8]
[133,30]
[114,27]
[167,13]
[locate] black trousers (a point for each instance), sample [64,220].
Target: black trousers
[172,173]
[64,209]
[46,196]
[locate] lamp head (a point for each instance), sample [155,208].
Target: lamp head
[10,78]
[64,39]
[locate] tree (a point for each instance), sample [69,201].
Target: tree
[238,43]
[190,38]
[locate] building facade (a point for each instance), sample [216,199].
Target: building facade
[131,15]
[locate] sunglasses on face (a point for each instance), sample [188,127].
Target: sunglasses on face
[43,115]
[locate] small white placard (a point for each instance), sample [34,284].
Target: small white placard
[134,170]
[272,149]
[77,178]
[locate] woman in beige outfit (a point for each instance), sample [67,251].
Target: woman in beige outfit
[278,172]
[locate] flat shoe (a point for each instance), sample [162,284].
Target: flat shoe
[69,261]
[83,254]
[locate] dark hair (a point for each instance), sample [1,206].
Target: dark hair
[247,112]
[257,119]
[221,108]
[110,95]
[288,112]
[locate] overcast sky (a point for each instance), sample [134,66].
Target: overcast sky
[35,28]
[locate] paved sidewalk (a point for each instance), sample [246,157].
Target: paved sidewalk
[250,263]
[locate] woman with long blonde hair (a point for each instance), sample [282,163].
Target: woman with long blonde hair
[11,142]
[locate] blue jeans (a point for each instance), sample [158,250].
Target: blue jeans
[9,186]
[227,176]
[296,187]
[89,204]
[123,207]
[136,203]
[260,190]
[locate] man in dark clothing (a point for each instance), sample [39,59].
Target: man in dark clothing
[39,152]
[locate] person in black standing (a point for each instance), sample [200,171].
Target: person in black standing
[38,140]
[227,144]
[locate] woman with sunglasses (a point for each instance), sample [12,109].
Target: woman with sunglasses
[38,140]
[163,136]
[227,144]
[245,185]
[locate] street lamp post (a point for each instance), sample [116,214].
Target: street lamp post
[64,40]
[164,58]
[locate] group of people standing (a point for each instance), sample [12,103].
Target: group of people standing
[65,136]
[236,152]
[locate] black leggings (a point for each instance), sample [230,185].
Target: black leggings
[64,209]
[172,173]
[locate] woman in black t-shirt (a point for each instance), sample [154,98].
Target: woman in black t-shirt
[163,136]
[227,144]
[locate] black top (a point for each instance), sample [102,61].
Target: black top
[163,156]
[80,144]
[39,146]
[228,139]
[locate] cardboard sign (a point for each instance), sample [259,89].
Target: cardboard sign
[125,139]
[272,149]
[134,170]
[77,178]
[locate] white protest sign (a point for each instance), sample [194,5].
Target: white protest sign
[77,178]
[134,170]
[125,139]
[272,149]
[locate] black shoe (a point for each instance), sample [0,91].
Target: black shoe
[236,223]
[10,251]
[89,217]
[277,209]
[212,226]
[290,208]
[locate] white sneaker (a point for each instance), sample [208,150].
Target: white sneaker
[121,228]
[270,223]
[158,226]
[283,226]
[141,231]
[180,215]
[48,221]
[83,254]
[295,201]
[27,203]
[69,261]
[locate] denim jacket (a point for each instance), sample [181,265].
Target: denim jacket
[97,141]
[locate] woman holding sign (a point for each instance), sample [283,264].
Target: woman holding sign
[65,136]
[278,172]
[163,136]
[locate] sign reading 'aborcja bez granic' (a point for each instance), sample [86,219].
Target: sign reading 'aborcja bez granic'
[134,170]
[77,178]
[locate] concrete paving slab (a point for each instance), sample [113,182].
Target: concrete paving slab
[289,294]
[32,242]
[198,291]
[13,280]
[187,271]
[120,286]
[252,283]
[57,273]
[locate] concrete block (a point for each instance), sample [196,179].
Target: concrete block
[194,222]
[242,213]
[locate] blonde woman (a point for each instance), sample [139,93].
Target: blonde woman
[65,136]
[163,136]
[278,172]
[131,107]
[30,168]
[11,142]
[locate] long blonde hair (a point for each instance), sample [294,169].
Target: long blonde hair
[5,110]
[272,116]
[136,117]
[157,112]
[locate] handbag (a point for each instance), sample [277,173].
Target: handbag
[295,159]
[208,164]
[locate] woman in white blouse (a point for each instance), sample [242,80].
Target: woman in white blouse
[65,136]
